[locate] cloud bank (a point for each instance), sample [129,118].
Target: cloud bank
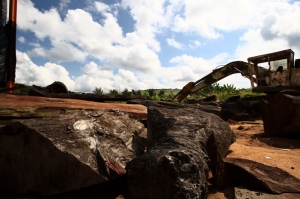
[108,57]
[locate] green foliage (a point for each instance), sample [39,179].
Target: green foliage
[248,93]
[217,89]
[161,93]
[113,92]
[155,98]
[98,91]
[126,92]
[139,92]
[151,92]
[222,92]
[21,89]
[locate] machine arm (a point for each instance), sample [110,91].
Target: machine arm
[214,76]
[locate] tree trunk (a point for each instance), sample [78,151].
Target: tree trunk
[51,155]
[176,164]
[260,177]
[32,106]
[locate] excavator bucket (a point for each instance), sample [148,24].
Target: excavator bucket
[185,91]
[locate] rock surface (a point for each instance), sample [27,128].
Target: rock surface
[60,154]
[176,164]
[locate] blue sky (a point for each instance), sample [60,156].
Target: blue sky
[118,44]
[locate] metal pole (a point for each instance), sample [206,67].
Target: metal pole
[11,47]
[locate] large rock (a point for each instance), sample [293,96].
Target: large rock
[176,164]
[53,155]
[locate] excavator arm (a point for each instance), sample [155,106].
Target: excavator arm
[216,75]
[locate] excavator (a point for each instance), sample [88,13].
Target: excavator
[280,73]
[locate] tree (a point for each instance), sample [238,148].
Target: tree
[126,92]
[161,93]
[113,92]
[98,91]
[151,92]
[139,92]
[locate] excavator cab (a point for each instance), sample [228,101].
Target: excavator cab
[280,74]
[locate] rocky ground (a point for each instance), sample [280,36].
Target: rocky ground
[251,143]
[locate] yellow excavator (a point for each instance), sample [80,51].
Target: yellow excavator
[280,73]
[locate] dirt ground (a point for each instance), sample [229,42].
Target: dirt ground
[252,144]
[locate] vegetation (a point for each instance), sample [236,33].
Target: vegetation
[221,92]
[139,92]
[21,89]
[98,91]
[151,92]
[126,92]
[113,92]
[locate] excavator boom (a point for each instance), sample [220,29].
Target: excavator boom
[244,68]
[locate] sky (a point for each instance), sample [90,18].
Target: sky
[118,44]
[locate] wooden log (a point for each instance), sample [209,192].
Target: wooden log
[207,107]
[176,164]
[33,106]
[241,193]
[96,98]
[73,150]
[260,177]
[281,114]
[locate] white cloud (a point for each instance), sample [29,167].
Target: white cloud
[63,4]
[149,16]
[92,75]
[61,52]
[93,70]
[127,79]
[210,18]
[21,39]
[101,7]
[194,44]
[172,42]
[132,59]
[29,73]
[104,42]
